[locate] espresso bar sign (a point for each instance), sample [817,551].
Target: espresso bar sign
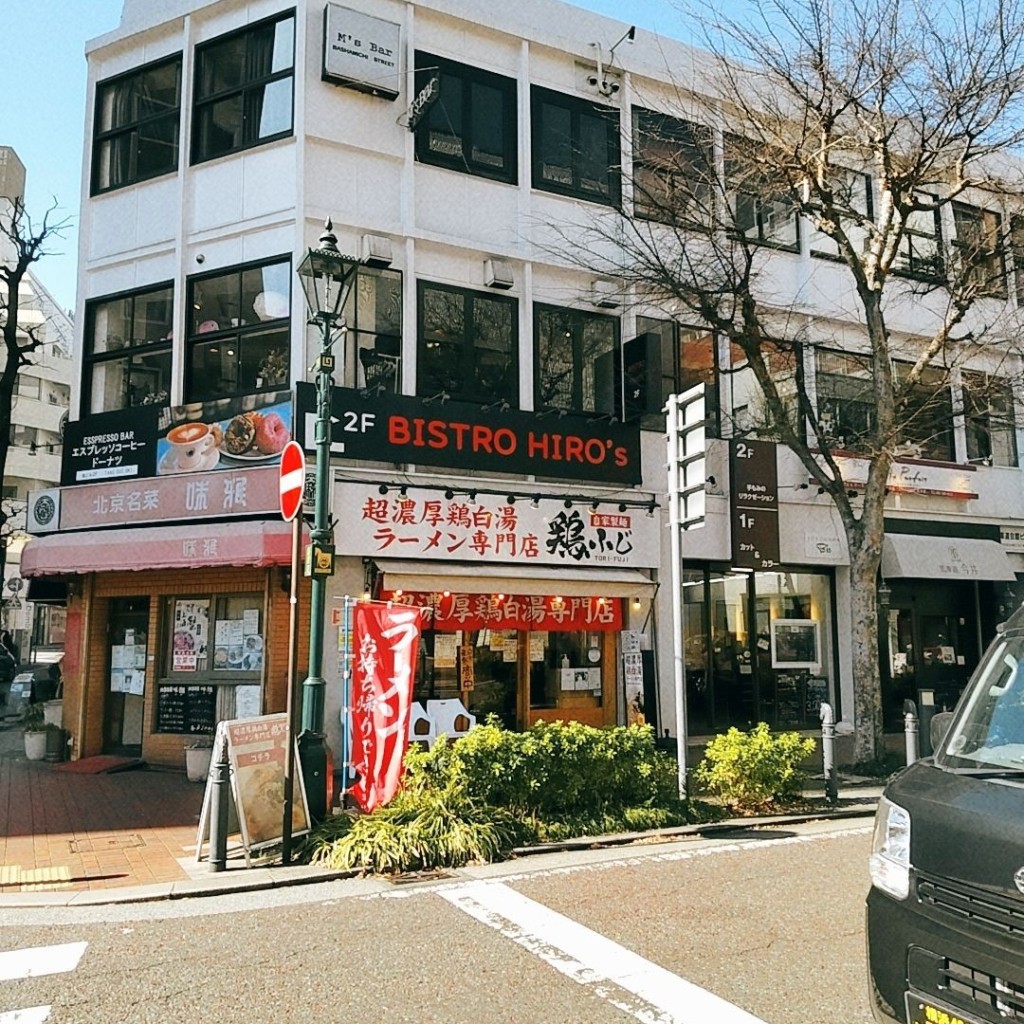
[400,428]
[755,504]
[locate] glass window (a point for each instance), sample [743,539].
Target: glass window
[979,250]
[989,419]
[577,353]
[918,253]
[468,345]
[1017,253]
[373,315]
[128,350]
[239,331]
[925,422]
[243,88]
[27,386]
[762,208]
[471,126]
[135,135]
[673,169]
[745,408]
[575,147]
[851,193]
[846,399]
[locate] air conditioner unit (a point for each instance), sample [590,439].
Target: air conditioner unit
[376,251]
[498,274]
[606,294]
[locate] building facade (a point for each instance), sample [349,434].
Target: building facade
[498,440]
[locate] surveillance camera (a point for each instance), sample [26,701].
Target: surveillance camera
[614,88]
[200,258]
[592,80]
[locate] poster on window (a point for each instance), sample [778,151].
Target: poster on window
[444,650]
[190,635]
[385,642]
[795,643]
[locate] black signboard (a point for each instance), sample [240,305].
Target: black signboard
[401,428]
[755,504]
[186,709]
[110,445]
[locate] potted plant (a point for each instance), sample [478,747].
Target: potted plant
[33,727]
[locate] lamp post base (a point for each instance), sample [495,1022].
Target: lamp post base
[313,756]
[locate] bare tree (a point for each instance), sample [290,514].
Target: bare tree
[22,244]
[869,122]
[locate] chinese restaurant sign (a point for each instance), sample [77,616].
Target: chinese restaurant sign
[424,523]
[401,428]
[385,641]
[449,613]
[150,440]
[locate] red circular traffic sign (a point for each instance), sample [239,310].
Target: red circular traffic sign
[292,480]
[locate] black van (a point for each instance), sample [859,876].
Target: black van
[945,914]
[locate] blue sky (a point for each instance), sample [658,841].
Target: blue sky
[42,110]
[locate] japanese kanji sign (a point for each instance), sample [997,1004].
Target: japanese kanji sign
[452,612]
[385,642]
[755,504]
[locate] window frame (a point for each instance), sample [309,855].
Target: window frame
[576,107]
[464,162]
[102,136]
[733,191]
[696,148]
[195,336]
[979,417]
[841,440]
[927,404]
[577,320]
[131,350]
[930,268]
[243,89]
[818,238]
[991,258]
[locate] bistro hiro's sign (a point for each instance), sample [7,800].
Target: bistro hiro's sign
[400,428]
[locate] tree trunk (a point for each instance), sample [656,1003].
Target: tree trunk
[867,685]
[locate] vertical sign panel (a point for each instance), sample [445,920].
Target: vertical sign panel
[755,504]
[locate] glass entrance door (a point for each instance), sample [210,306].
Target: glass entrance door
[126,675]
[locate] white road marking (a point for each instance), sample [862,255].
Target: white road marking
[35,1015]
[607,969]
[37,961]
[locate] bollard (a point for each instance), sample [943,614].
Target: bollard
[828,753]
[925,711]
[219,807]
[910,730]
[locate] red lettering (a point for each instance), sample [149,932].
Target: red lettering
[418,433]
[573,448]
[438,437]
[504,441]
[535,445]
[556,453]
[398,430]
[482,439]
[460,434]
[595,450]
[621,456]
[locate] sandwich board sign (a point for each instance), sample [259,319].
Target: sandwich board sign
[256,750]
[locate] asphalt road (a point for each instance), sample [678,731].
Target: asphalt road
[766,926]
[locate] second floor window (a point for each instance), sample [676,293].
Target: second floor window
[924,416]
[239,331]
[979,248]
[918,254]
[472,125]
[575,147]
[989,419]
[673,169]
[135,135]
[761,205]
[846,399]
[468,345]
[577,352]
[243,89]
[128,350]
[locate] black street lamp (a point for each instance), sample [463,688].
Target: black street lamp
[326,277]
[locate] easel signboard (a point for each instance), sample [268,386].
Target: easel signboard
[256,753]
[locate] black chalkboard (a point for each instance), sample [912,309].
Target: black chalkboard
[815,695]
[186,709]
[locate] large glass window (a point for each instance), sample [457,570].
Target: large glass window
[925,416]
[979,248]
[468,345]
[471,126]
[576,360]
[575,147]
[989,419]
[851,193]
[135,135]
[239,331]
[128,350]
[745,408]
[673,169]
[919,252]
[761,205]
[243,88]
[846,398]
[373,316]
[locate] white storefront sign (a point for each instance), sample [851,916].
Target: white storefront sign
[914,478]
[361,51]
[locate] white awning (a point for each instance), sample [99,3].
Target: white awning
[511,579]
[906,555]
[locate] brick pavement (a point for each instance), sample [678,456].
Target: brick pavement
[62,831]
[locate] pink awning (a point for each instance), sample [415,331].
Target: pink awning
[159,547]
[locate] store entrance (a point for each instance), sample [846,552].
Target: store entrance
[126,676]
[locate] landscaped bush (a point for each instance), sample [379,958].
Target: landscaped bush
[752,771]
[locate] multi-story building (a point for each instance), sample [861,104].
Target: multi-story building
[489,461]
[41,399]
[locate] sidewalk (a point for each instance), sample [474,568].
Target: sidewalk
[69,839]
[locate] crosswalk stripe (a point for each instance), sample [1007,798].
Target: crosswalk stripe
[37,961]
[642,989]
[33,1015]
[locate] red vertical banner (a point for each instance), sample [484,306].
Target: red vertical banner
[385,639]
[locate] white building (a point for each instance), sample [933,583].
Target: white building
[481,465]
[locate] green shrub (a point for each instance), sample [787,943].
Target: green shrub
[751,771]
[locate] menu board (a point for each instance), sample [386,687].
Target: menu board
[186,709]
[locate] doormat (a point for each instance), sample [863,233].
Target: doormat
[100,764]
